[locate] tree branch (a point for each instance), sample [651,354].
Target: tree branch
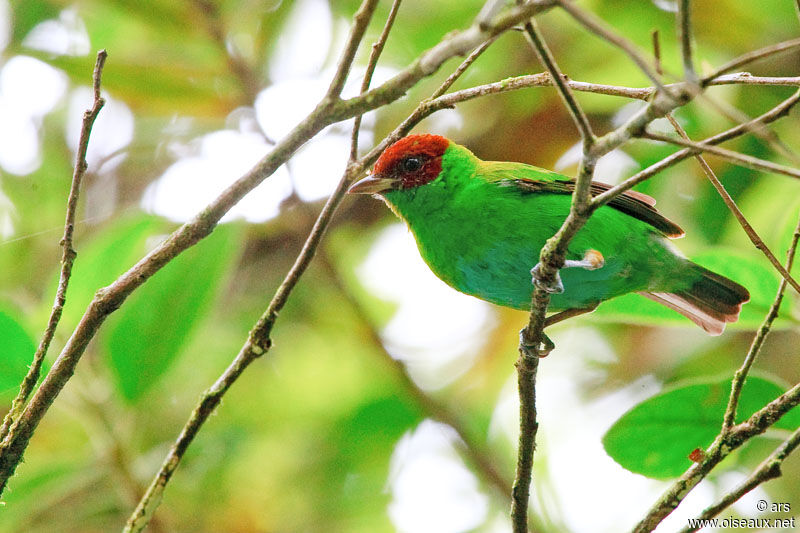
[730,437]
[750,57]
[259,342]
[108,299]
[601,29]
[735,157]
[769,469]
[68,255]
[532,335]
[751,233]
[685,38]
[779,111]
[758,341]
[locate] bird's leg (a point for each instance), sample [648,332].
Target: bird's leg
[536,349]
[568,313]
[592,260]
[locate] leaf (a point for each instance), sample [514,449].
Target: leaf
[16,353]
[26,15]
[656,436]
[147,333]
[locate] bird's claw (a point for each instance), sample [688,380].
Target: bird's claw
[592,260]
[535,349]
[553,287]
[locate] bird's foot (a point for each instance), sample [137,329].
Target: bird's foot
[592,260]
[553,287]
[535,349]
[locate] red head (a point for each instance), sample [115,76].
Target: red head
[410,162]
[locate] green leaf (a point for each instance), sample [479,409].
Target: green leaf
[147,333]
[656,437]
[26,15]
[16,353]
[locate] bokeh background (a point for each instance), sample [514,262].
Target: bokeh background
[328,432]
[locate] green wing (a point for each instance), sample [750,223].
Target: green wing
[535,180]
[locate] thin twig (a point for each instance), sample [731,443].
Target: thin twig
[601,29]
[735,157]
[360,21]
[538,44]
[772,115]
[68,254]
[329,111]
[685,38]
[452,78]
[372,63]
[757,241]
[758,341]
[730,436]
[770,468]
[528,361]
[258,342]
[750,57]
[722,446]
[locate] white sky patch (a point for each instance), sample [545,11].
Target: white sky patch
[611,168]
[221,157]
[305,42]
[5,24]
[436,330]
[63,36]
[112,131]
[432,490]
[7,214]
[29,89]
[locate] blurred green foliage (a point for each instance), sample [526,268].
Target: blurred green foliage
[304,441]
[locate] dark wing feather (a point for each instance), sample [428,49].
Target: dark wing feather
[631,203]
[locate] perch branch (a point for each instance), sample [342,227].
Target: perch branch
[259,342]
[68,254]
[329,111]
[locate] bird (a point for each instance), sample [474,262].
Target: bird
[480,227]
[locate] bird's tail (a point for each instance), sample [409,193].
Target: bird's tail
[711,301]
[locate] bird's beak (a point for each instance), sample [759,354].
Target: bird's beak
[372,185]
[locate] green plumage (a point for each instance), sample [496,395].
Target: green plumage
[480,226]
[481,234]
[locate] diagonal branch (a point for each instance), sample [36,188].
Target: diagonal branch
[750,57]
[730,437]
[770,468]
[737,213]
[779,111]
[329,111]
[68,255]
[758,341]
[259,342]
[601,29]
[735,157]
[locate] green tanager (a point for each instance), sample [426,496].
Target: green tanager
[480,227]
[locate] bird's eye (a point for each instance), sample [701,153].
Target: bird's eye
[412,164]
